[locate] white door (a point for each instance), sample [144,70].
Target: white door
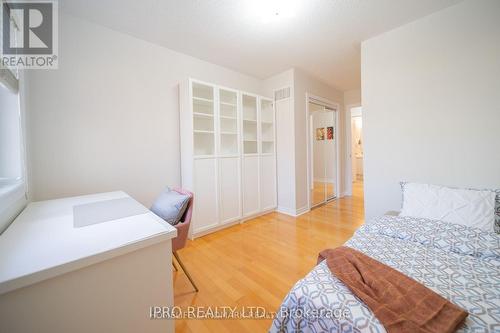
[229,180]
[205,215]
[250,185]
[267,182]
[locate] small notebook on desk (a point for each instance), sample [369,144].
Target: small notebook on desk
[106,210]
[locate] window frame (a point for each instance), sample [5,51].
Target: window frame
[14,192]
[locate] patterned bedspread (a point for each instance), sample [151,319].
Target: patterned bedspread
[462,264]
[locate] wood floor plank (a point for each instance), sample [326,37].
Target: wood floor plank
[257,262]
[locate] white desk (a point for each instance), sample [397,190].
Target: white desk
[103,277]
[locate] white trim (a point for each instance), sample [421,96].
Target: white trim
[336,106]
[9,80]
[255,215]
[302,210]
[13,199]
[286,211]
[211,229]
[14,193]
[293,212]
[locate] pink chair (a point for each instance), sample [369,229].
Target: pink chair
[182,233]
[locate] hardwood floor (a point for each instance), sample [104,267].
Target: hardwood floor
[321,191]
[257,262]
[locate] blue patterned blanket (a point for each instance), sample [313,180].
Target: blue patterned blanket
[461,264]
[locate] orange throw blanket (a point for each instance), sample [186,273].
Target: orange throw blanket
[400,303]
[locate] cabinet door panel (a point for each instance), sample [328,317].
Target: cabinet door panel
[229,179]
[250,185]
[205,190]
[267,182]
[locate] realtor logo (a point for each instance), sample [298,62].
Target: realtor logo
[29,34]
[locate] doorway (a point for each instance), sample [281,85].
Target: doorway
[357,144]
[323,151]
[354,158]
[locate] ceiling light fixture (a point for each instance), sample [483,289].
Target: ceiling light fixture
[267,11]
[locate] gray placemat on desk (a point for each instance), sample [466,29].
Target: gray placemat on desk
[106,210]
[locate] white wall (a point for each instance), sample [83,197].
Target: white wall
[292,135]
[352,97]
[108,118]
[431,103]
[285,152]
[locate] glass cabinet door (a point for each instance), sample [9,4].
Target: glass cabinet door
[203,119]
[267,126]
[228,122]
[249,113]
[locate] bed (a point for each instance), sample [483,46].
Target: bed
[461,263]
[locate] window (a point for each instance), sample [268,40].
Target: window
[12,171]
[10,137]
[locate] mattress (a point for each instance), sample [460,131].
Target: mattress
[460,263]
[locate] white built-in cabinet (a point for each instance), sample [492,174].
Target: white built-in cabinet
[228,154]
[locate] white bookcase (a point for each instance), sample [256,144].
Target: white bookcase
[228,154]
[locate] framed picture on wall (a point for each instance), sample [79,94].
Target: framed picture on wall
[320,133]
[329,133]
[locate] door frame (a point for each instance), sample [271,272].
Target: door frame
[348,145]
[336,106]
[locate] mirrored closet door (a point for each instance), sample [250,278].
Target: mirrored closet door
[323,159]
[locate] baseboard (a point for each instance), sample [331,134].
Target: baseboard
[302,210]
[286,211]
[213,229]
[257,214]
[292,212]
[229,223]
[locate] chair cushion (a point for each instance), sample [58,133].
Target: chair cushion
[170,206]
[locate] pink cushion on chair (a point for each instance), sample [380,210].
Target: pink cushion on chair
[183,226]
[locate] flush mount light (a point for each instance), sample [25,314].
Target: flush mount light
[267,11]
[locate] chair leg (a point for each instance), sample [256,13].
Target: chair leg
[173,264]
[185,271]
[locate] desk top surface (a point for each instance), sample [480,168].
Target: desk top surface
[43,242]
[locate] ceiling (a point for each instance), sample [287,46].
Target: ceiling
[262,37]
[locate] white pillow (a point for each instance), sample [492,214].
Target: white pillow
[472,208]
